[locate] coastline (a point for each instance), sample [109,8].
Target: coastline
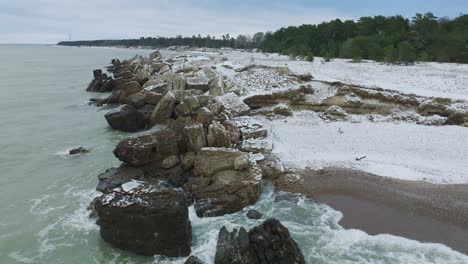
[413,209]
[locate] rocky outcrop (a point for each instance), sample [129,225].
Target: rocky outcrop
[147,148]
[148,220]
[127,119]
[195,137]
[269,242]
[234,181]
[115,177]
[101,83]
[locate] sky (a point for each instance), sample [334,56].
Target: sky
[50,21]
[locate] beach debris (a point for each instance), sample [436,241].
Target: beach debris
[361,158]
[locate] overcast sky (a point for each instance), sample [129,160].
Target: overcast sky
[50,21]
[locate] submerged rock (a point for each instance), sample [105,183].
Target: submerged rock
[79,150]
[127,119]
[146,220]
[254,214]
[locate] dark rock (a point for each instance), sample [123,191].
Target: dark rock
[254,214]
[126,119]
[101,83]
[234,247]
[455,120]
[146,219]
[147,148]
[193,260]
[80,150]
[147,110]
[115,177]
[136,100]
[269,242]
[272,243]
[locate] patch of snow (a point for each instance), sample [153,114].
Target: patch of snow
[398,150]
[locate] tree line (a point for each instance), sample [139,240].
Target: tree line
[392,39]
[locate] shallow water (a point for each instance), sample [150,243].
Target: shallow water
[44,193]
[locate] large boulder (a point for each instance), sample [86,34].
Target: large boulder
[147,148]
[232,185]
[126,118]
[234,104]
[145,219]
[269,242]
[164,109]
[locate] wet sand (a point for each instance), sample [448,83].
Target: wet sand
[378,205]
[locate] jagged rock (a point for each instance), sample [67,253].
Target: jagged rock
[164,109]
[170,162]
[234,247]
[156,85]
[234,104]
[204,117]
[269,242]
[218,136]
[204,100]
[254,214]
[101,83]
[178,125]
[229,190]
[182,110]
[175,81]
[115,177]
[126,118]
[193,260]
[130,87]
[217,87]
[145,219]
[147,148]
[195,137]
[153,98]
[79,150]
[272,243]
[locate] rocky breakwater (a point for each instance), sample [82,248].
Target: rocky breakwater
[195,155]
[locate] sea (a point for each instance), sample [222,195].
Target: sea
[44,192]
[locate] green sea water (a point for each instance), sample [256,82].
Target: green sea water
[44,193]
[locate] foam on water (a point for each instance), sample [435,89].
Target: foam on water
[321,239]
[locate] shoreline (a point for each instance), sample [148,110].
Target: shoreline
[379,205]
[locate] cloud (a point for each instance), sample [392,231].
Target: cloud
[49,21]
